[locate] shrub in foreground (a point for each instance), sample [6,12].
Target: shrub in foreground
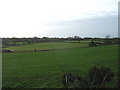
[73,81]
[97,77]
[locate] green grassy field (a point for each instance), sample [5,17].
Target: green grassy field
[47,46]
[46,69]
[85,41]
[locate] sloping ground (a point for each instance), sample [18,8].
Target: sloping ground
[45,69]
[47,46]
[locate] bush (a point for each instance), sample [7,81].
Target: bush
[92,44]
[96,78]
[73,81]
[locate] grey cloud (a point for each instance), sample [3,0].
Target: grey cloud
[94,27]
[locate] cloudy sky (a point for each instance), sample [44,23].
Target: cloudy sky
[58,18]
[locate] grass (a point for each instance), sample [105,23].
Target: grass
[47,46]
[82,41]
[45,69]
[73,41]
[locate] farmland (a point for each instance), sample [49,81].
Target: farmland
[46,69]
[47,46]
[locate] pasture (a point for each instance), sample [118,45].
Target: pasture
[47,46]
[46,69]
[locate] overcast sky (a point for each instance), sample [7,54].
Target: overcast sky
[58,18]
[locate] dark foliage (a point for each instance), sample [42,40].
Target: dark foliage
[92,44]
[97,78]
[73,81]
